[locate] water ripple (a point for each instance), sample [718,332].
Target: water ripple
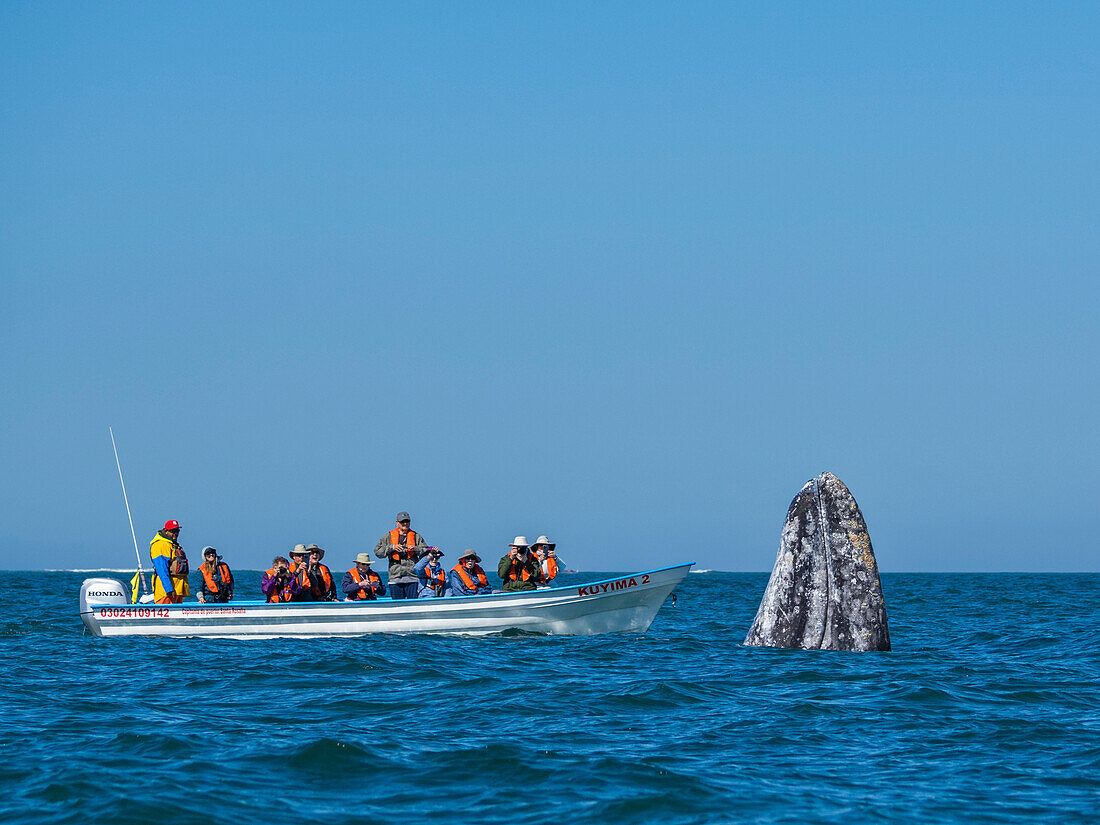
[971,717]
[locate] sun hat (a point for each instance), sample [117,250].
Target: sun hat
[299,550]
[313,548]
[519,541]
[363,558]
[544,540]
[467,553]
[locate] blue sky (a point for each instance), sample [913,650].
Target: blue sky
[625,274]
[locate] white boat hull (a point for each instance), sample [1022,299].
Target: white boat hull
[626,604]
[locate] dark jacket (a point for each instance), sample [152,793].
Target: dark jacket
[223,581]
[511,573]
[314,586]
[351,587]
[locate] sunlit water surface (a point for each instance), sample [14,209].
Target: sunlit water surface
[987,710]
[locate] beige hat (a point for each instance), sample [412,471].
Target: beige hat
[313,548]
[544,540]
[299,549]
[519,541]
[363,558]
[467,553]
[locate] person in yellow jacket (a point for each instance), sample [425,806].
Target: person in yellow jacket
[169,565]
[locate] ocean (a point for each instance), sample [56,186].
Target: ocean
[986,710]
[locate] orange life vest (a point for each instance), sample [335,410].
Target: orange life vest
[438,579]
[282,594]
[549,569]
[326,577]
[211,582]
[410,542]
[372,577]
[467,581]
[524,573]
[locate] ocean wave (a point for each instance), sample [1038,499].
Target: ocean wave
[129,570]
[966,719]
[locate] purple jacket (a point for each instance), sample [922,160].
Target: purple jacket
[270,586]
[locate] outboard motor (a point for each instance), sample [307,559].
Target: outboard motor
[96,592]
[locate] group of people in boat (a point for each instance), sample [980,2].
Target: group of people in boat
[416,570]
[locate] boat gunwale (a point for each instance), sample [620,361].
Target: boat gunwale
[405,603]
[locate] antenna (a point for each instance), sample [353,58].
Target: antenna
[141,570]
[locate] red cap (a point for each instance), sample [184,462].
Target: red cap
[171,524]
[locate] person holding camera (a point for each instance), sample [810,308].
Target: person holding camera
[519,569]
[315,579]
[433,578]
[403,547]
[549,564]
[361,583]
[299,557]
[278,584]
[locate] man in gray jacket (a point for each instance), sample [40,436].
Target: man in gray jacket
[403,547]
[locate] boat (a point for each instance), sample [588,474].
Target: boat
[625,604]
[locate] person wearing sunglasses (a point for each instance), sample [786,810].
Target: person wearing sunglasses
[217,578]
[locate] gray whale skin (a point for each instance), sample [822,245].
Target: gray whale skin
[824,592]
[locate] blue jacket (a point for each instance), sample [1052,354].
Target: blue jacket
[427,589]
[458,587]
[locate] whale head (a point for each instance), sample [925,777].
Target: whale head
[824,592]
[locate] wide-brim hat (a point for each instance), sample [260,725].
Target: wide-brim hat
[468,553]
[519,541]
[363,558]
[313,548]
[544,540]
[299,550]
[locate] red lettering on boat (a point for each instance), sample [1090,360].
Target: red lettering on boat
[610,587]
